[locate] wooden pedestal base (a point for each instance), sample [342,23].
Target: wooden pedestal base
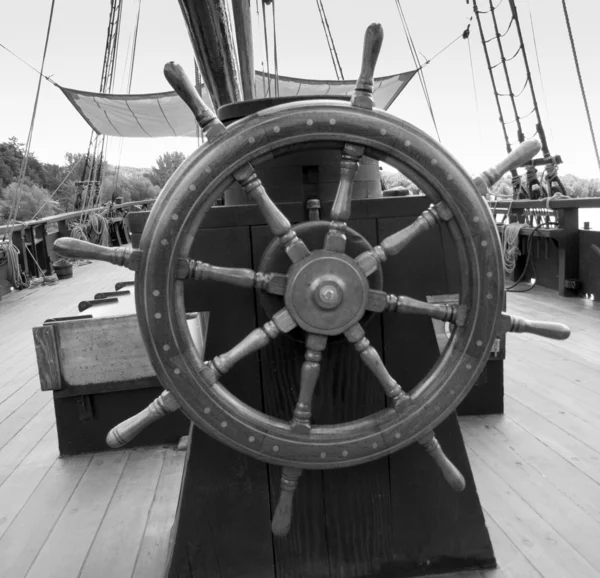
[393,517]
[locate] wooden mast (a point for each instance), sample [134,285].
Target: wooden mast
[208,26]
[243,36]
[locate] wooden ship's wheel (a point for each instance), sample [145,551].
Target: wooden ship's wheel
[325,293]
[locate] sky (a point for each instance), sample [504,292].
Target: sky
[461,96]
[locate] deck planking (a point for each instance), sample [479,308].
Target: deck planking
[537,467]
[88,515]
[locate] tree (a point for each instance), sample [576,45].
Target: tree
[166,164]
[34,201]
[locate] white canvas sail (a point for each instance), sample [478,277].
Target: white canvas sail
[165,114]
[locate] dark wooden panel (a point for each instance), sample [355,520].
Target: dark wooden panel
[589,262]
[223,525]
[434,527]
[304,551]
[487,395]
[342,523]
[77,435]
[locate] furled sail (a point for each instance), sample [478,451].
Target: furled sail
[165,114]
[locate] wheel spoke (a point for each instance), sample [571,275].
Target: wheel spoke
[276,221]
[549,329]
[450,472]
[315,344]
[282,517]
[340,212]
[393,244]
[380,301]
[369,355]
[282,322]
[197,270]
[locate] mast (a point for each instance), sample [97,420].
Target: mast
[243,36]
[209,29]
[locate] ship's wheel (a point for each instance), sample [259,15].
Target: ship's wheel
[325,292]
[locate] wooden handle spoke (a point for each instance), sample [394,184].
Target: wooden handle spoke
[363,91]
[518,157]
[380,301]
[393,244]
[78,249]
[340,212]
[450,472]
[548,329]
[315,345]
[282,322]
[276,221]
[197,270]
[213,128]
[369,355]
[282,517]
[123,433]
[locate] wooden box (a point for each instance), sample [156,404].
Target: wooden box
[100,374]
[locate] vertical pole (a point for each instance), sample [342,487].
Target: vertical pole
[243,34]
[208,27]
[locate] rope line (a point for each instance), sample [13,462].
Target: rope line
[10,254]
[475,92]
[418,65]
[275,57]
[330,41]
[266,38]
[585,101]
[537,57]
[510,246]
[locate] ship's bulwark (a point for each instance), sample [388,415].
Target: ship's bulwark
[165,114]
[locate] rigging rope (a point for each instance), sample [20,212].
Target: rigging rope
[11,255]
[537,57]
[275,59]
[510,245]
[585,102]
[48,78]
[266,36]
[330,41]
[129,82]
[468,38]
[413,52]
[56,190]
[12,216]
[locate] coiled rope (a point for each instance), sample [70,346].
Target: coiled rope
[95,229]
[510,245]
[10,254]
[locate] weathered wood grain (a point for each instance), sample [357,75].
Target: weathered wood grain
[47,357]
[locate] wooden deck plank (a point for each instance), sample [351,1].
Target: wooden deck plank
[27,534]
[549,408]
[23,390]
[580,455]
[22,482]
[152,556]
[511,561]
[18,448]
[537,540]
[67,546]
[120,534]
[19,418]
[579,487]
[573,523]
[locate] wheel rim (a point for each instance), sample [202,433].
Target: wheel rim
[179,212]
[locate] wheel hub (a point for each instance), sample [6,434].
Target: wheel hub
[326,293]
